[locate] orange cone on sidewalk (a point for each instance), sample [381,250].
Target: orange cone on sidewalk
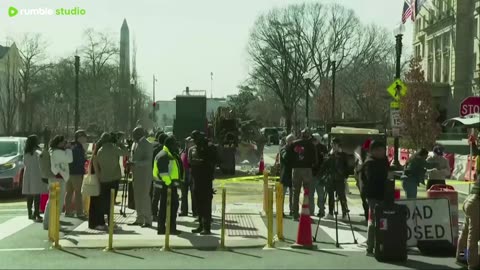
[261,165]
[304,235]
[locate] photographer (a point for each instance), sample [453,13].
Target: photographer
[336,169]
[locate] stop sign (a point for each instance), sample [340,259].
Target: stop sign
[470,105]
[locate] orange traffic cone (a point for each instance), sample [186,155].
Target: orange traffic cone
[261,166]
[304,235]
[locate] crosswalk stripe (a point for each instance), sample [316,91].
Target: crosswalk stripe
[344,232]
[13,225]
[14,210]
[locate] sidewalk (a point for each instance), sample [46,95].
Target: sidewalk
[244,228]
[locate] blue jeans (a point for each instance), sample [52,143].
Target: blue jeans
[319,187]
[410,188]
[61,201]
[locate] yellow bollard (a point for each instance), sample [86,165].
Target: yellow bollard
[86,205]
[222,232]
[52,213]
[265,191]
[169,216]
[279,204]
[270,219]
[58,208]
[111,222]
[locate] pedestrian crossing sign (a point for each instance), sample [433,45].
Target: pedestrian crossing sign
[397,89]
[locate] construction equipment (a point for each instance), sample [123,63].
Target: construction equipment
[226,133]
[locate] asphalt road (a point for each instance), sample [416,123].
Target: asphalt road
[23,244]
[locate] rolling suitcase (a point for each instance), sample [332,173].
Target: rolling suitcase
[391,232]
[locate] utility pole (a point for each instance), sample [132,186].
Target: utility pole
[398,50]
[334,67]
[154,101]
[77,105]
[132,120]
[211,85]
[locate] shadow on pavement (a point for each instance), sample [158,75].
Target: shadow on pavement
[72,253]
[414,264]
[245,254]
[185,254]
[128,255]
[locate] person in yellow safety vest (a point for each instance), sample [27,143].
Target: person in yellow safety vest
[167,168]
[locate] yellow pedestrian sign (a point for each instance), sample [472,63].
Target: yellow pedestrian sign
[397,89]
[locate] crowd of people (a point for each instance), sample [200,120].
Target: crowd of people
[155,168]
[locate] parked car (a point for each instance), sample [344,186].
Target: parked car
[11,163]
[271,134]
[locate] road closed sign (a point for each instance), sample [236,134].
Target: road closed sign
[428,219]
[470,105]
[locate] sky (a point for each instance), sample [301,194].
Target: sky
[180,41]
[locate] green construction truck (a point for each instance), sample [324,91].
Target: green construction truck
[191,114]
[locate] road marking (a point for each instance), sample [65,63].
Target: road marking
[14,225]
[20,249]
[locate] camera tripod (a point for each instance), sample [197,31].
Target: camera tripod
[123,205]
[347,211]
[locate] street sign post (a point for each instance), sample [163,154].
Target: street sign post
[396,122]
[470,105]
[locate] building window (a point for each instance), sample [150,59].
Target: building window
[430,61]
[446,57]
[475,61]
[417,51]
[438,59]
[475,28]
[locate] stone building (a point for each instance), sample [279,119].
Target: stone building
[446,39]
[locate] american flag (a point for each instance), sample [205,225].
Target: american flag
[408,10]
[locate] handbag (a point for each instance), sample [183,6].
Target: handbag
[90,185]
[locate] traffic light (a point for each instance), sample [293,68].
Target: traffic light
[154,104]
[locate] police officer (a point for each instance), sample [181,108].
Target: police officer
[168,170]
[202,160]
[157,147]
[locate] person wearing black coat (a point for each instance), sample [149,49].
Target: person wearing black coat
[374,174]
[286,172]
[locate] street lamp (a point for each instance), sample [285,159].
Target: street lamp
[334,59]
[308,81]
[77,105]
[132,86]
[398,32]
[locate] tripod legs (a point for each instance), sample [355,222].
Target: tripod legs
[123,205]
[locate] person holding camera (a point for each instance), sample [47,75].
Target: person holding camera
[336,169]
[168,170]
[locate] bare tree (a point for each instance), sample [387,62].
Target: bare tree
[9,95]
[280,57]
[33,55]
